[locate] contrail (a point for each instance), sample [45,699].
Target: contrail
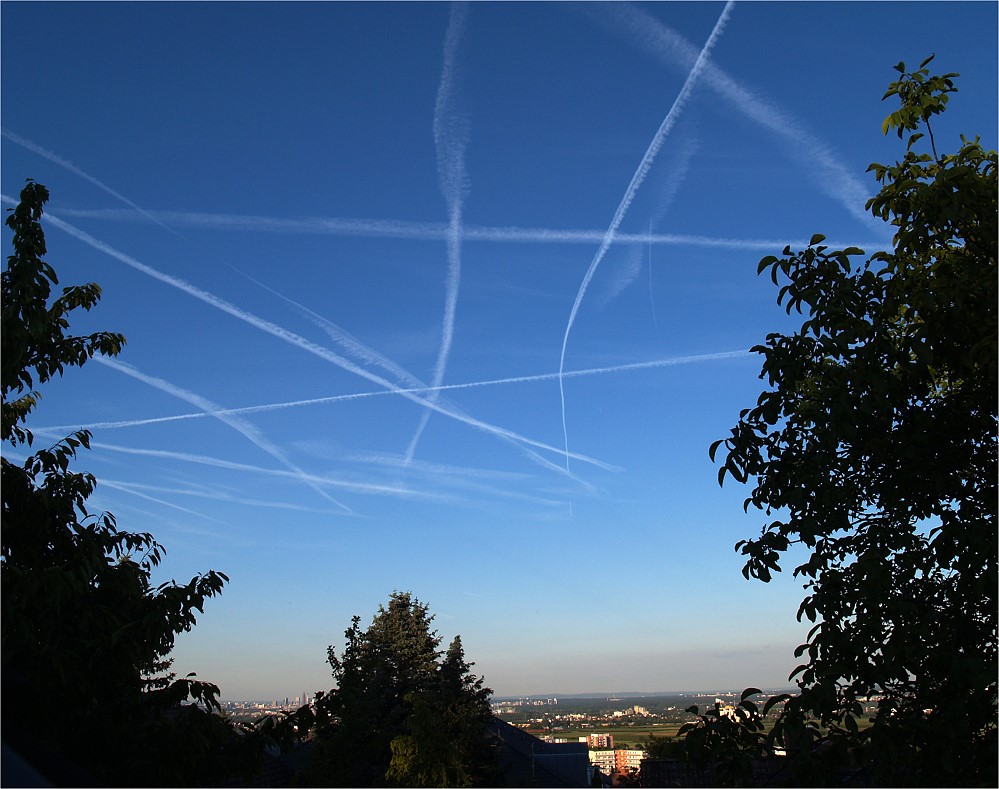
[436,469]
[626,269]
[629,194]
[430,231]
[235,422]
[126,489]
[666,197]
[670,185]
[207,460]
[450,141]
[462,478]
[340,336]
[652,297]
[254,409]
[35,148]
[300,342]
[460,484]
[369,355]
[668,46]
[214,496]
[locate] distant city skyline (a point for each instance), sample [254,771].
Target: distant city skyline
[453,299]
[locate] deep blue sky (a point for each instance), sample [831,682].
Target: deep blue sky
[286,202]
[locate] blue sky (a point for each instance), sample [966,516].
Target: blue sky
[299,210]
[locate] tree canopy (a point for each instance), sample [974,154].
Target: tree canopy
[874,449]
[85,632]
[401,712]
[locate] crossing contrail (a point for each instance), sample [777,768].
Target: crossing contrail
[629,194]
[461,485]
[207,460]
[461,477]
[235,422]
[56,159]
[214,495]
[128,489]
[301,342]
[369,355]
[677,171]
[436,469]
[347,341]
[450,141]
[668,46]
[438,231]
[520,379]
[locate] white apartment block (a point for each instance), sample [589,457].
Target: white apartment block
[604,759]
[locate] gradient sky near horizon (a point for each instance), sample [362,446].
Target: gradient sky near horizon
[353,246]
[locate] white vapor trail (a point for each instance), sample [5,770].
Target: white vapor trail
[368,355]
[254,409]
[450,141]
[464,478]
[652,292]
[460,484]
[347,341]
[626,270]
[431,231]
[666,197]
[296,340]
[128,489]
[668,46]
[629,194]
[54,158]
[436,469]
[213,496]
[677,173]
[238,424]
[207,460]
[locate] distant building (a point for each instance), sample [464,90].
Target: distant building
[603,758]
[626,759]
[594,741]
[621,759]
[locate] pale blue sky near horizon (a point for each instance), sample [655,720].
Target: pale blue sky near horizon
[339,202]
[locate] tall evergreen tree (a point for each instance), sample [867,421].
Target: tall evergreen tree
[444,744]
[401,712]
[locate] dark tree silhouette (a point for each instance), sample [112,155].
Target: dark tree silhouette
[84,631]
[874,448]
[401,713]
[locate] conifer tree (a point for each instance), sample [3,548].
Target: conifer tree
[402,713]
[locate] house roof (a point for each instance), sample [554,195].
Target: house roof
[529,761]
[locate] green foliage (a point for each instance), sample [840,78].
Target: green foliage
[727,740]
[400,714]
[875,444]
[84,630]
[35,346]
[445,744]
[659,747]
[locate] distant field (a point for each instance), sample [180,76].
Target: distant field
[634,735]
[631,735]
